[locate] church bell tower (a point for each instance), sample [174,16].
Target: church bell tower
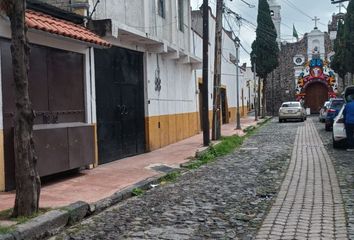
[275,13]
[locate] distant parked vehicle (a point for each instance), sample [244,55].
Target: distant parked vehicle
[323,112]
[339,135]
[292,110]
[335,104]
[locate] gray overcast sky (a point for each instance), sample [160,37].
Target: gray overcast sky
[300,16]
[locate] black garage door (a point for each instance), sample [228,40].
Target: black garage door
[120,103]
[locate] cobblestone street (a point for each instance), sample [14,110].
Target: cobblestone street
[226,199]
[229,199]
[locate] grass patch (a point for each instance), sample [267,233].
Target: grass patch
[4,230]
[138,192]
[6,215]
[170,177]
[227,145]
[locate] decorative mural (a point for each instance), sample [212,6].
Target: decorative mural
[316,70]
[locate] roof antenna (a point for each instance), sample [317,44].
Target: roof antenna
[94,9]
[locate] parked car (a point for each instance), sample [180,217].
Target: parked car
[292,110]
[335,104]
[323,112]
[339,135]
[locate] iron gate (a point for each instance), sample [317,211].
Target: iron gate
[120,103]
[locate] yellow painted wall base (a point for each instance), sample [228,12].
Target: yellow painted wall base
[232,113]
[2,162]
[167,129]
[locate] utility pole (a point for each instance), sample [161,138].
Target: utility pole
[255,88]
[205,92]
[238,120]
[216,130]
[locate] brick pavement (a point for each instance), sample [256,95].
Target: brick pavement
[309,204]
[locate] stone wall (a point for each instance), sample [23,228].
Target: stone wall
[280,85]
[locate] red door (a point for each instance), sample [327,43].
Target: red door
[316,95]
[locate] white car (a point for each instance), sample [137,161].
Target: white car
[339,136]
[292,110]
[323,112]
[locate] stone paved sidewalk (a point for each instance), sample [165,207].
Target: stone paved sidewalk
[309,204]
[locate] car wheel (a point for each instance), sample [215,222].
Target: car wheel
[302,119]
[336,144]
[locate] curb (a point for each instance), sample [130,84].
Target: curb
[204,150]
[52,222]
[40,227]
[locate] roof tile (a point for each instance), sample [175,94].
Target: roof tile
[47,23]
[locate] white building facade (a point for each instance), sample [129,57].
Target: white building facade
[160,31]
[228,71]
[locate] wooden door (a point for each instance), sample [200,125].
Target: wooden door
[224,106]
[200,85]
[316,95]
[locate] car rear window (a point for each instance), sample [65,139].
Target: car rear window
[337,104]
[290,105]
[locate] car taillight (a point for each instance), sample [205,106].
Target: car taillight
[331,111]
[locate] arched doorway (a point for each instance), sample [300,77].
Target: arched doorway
[316,95]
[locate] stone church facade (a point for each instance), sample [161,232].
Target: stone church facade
[304,72]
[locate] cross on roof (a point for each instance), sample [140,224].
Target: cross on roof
[316,19]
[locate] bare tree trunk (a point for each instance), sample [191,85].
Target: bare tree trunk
[27,177]
[264,99]
[259,99]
